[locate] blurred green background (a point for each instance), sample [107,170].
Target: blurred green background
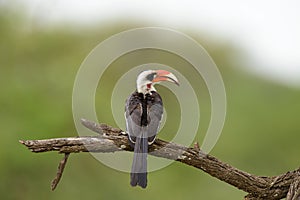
[38,68]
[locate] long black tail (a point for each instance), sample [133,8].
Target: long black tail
[138,175]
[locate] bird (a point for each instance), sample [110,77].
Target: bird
[143,114]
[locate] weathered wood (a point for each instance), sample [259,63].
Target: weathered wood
[114,139]
[294,190]
[60,171]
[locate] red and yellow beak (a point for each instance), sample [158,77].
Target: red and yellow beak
[163,75]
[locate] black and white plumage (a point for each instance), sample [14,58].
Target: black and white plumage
[143,113]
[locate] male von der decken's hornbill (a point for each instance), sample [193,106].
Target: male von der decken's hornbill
[143,113]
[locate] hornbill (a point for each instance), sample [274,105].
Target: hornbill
[143,113]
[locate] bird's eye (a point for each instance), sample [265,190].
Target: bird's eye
[151,76]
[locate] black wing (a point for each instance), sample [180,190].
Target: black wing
[155,112]
[133,115]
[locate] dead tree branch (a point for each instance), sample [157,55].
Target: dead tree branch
[114,139]
[60,171]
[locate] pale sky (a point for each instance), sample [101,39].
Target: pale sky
[267,30]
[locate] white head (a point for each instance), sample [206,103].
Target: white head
[147,79]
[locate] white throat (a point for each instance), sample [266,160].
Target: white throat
[145,89]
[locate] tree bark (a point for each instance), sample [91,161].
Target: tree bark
[114,139]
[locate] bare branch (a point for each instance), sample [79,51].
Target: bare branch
[114,139]
[60,171]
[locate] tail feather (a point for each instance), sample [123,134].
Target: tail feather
[139,165]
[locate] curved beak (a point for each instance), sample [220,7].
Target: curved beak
[163,75]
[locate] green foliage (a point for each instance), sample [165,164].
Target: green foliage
[38,67]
